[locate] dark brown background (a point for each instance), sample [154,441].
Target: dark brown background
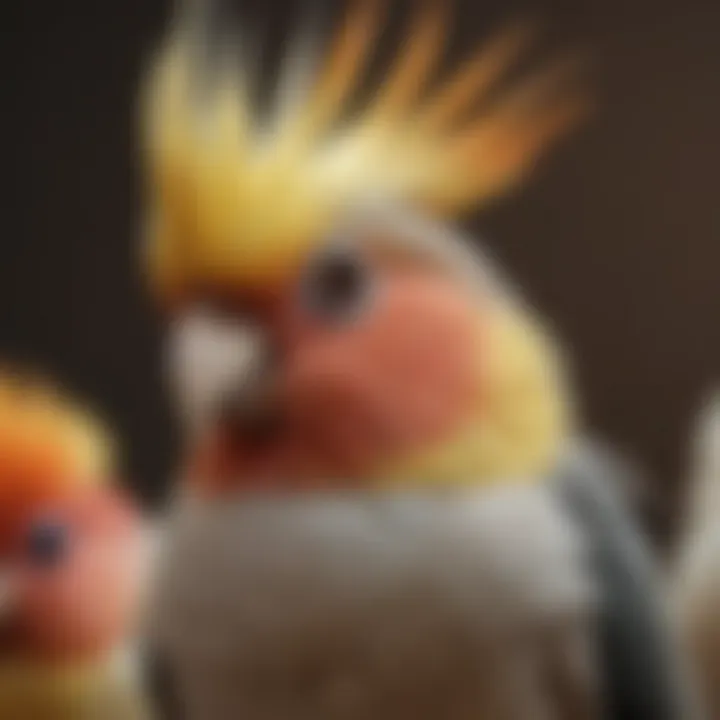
[617,238]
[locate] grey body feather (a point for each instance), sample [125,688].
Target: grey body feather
[466,605]
[529,601]
[643,673]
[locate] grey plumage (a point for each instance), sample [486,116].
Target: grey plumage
[643,676]
[535,601]
[463,605]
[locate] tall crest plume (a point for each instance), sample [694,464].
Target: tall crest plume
[236,201]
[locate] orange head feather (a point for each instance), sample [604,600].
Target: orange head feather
[49,448]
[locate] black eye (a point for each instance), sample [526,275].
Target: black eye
[47,543]
[337,286]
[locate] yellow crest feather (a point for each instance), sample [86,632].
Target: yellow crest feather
[236,205]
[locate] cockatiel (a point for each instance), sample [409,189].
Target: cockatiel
[696,584]
[383,513]
[70,564]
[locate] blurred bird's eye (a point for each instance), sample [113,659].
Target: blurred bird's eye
[337,286]
[47,543]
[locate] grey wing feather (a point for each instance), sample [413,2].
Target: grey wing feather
[644,677]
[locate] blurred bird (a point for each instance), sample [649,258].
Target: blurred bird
[70,564]
[385,512]
[697,583]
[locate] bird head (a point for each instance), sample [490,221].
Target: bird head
[324,330]
[69,543]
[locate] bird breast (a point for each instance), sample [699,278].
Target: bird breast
[338,606]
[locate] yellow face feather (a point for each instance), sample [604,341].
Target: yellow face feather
[237,205]
[524,417]
[96,691]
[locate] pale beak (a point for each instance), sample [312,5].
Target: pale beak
[210,358]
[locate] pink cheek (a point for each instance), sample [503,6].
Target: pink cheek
[84,606]
[403,376]
[426,361]
[332,428]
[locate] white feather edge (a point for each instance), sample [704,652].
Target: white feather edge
[696,578]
